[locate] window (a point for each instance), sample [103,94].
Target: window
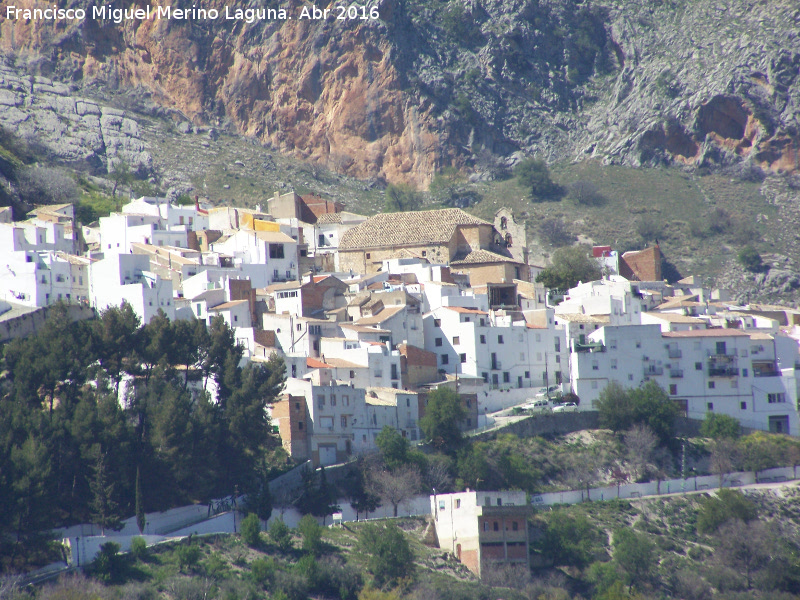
[499,502]
[743,405]
[333,400]
[613,363]
[711,385]
[744,372]
[320,401]
[638,344]
[437,322]
[297,406]
[344,421]
[276,251]
[456,340]
[483,339]
[352,374]
[441,504]
[235,318]
[424,253]
[496,526]
[710,406]
[527,374]
[522,356]
[346,400]
[368,255]
[458,503]
[673,388]
[630,377]
[445,359]
[595,366]
[482,322]
[437,342]
[299,424]
[514,526]
[463,357]
[499,339]
[698,366]
[485,376]
[776,398]
[721,348]
[594,385]
[198,310]
[506,377]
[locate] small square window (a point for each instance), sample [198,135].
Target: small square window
[710,406]
[456,340]
[483,339]
[445,359]
[527,374]
[698,366]
[437,322]
[369,255]
[437,342]
[499,339]
[744,372]
[673,388]
[743,405]
[711,385]
[463,357]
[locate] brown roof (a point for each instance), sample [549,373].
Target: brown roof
[581,318]
[407,228]
[275,237]
[313,363]
[363,328]
[382,316]
[468,311]
[329,218]
[676,318]
[706,333]
[227,305]
[477,257]
[343,364]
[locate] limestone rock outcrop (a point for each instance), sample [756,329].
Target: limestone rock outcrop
[429,85]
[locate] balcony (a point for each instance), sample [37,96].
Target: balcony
[675,353]
[765,369]
[497,365]
[651,370]
[676,373]
[588,347]
[722,371]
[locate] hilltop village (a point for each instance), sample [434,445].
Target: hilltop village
[370,314]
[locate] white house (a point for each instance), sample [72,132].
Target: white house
[276,251]
[128,277]
[729,371]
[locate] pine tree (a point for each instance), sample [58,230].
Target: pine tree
[140,518]
[105,511]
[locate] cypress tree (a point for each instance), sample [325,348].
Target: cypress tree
[140,518]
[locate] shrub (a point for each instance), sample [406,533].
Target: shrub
[728,505]
[390,556]
[534,175]
[555,232]
[262,571]
[138,548]
[585,193]
[250,530]
[280,534]
[187,555]
[106,566]
[718,426]
[312,534]
[750,259]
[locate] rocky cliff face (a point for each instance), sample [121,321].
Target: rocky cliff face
[467,83]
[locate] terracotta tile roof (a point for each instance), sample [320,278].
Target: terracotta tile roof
[343,364]
[477,257]
[384,315]
[274,237]
[581,318]
[705,333]
[467,311]
[407,228]
[227,305]
[313,363]
[329,218]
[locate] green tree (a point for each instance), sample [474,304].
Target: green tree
[636,555]
[105,511]
[140,514]
[250,530]
[401,198]
[188,555]
[107,563]
[362,499]
[120,175]
[390,556]
[718,426]
[312,534]
[571,539]
[443,415]
[726,506]
[571,264]
[393,447]
[750,259]
[279,533]
[621,408]
[534,175]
